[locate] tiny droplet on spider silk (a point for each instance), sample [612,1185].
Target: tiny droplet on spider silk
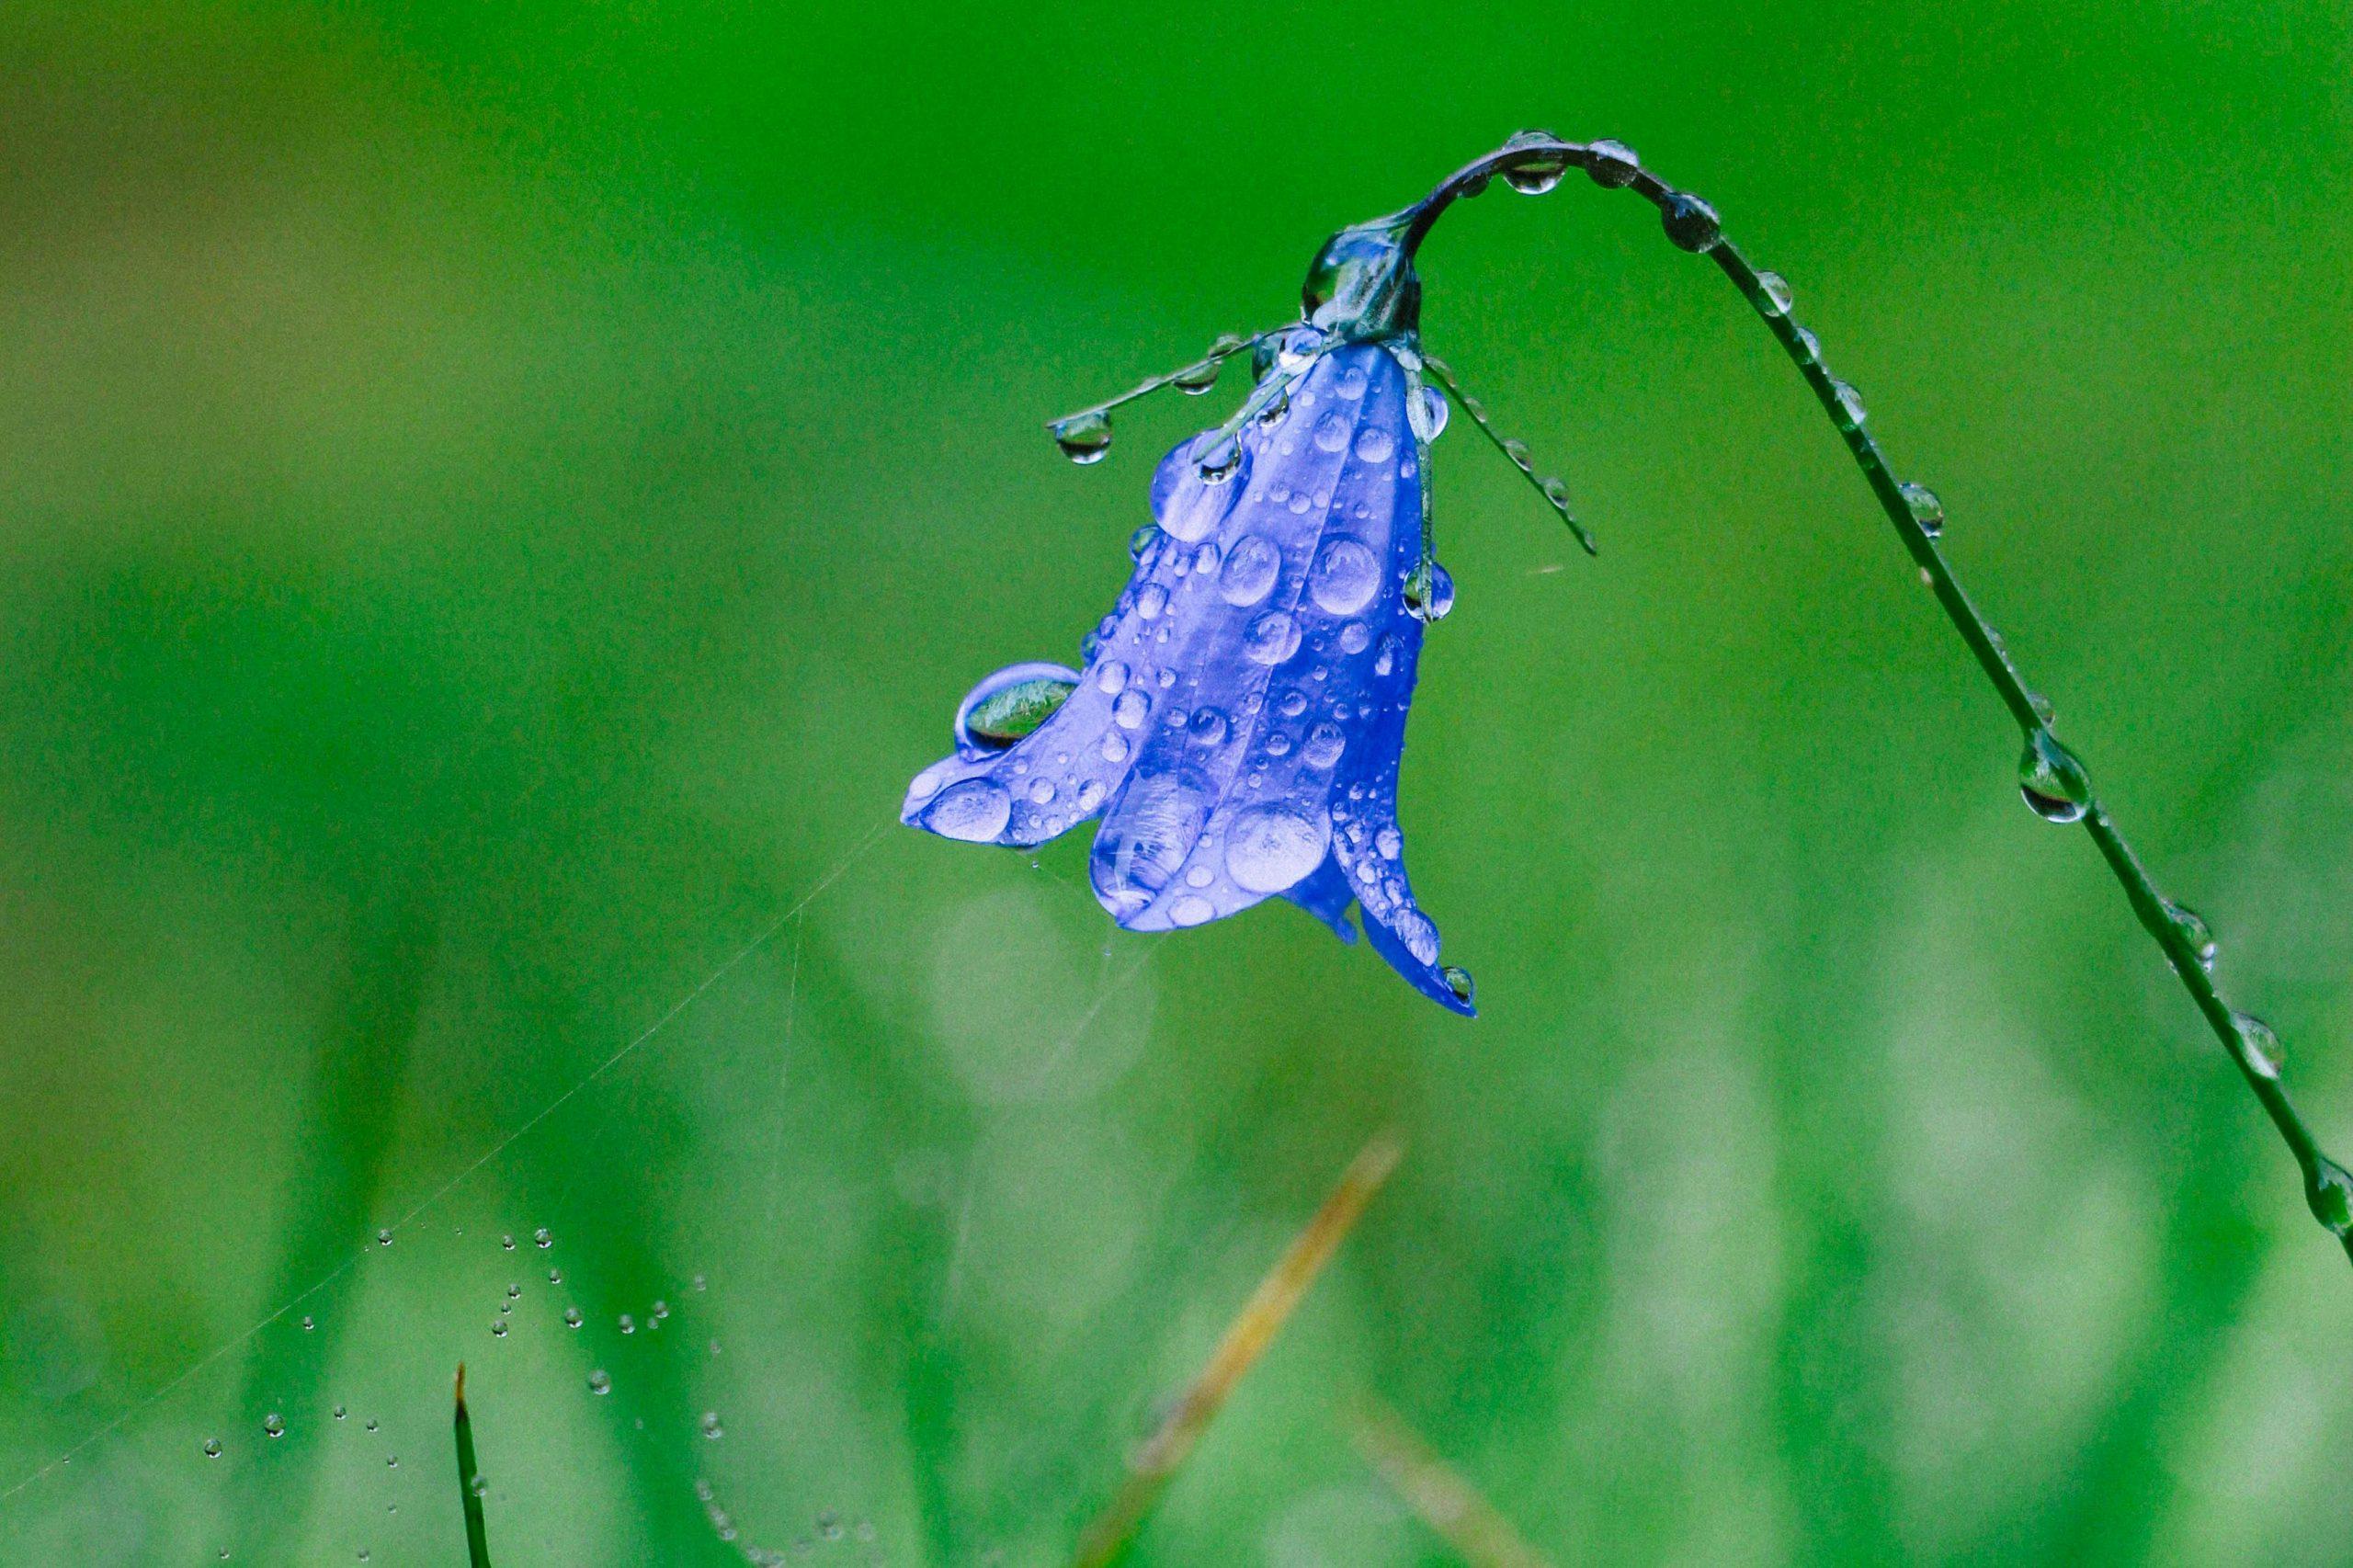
[2259,1049]
[1083,437]
[2051,781]
[1927,510]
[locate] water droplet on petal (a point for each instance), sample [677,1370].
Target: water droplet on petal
[1083,437]
[1009,704]
[1271,638]
[1344,577]
[1927,510]
[1208,727]
[1250,570]
[1324,745]
[1150,601]
[1777,299]
[1374,444]
[2259,1049]
[973,811]
[1331,433]
[1129,711]
[1691,222]
[2051,781]
[1613,164]
[1111,677]
[1192,909]
[1355,636]
[1269,848]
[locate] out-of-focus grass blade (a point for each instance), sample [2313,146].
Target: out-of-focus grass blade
[470,1482]
[1435,1489]
[1246,1339]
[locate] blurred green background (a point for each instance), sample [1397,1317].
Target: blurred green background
[499,499]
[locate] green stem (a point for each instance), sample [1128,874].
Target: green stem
[2328,1188]
[470,1482]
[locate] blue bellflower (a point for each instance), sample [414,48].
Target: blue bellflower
[1241,716]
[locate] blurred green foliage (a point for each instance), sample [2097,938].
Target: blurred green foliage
[497,500]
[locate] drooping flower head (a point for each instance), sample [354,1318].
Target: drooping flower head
[1240,717]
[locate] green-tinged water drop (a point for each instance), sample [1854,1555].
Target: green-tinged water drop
[1927,510]
[1457,980]
[600,1382]
[2329,1191]
[1776,296]
[1083,437]
[1429,592]
[1195,380]
[1691,222]
[1516,450]
[1613,164]
[2259,1050]
[1851,412]
[384,1237]
[212,1447]
[1218,464]
[1541,172]
[1809,346]
[2043,708]
[573,1318]
[1556,491]
[1142,540]
[2195,934]
[273,1424]
[2052,783]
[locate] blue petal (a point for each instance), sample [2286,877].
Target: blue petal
[1260,678]
[1324,894]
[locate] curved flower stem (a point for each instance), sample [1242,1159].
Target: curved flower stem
[1691,223]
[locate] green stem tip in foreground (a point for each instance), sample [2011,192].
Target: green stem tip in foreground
[2053,782]
[470,1483]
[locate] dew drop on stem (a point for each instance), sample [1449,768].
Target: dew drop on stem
[2195,934]
[1925,508]
[1613,164]
[2051,781]
[1083,437]
[1773,295]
